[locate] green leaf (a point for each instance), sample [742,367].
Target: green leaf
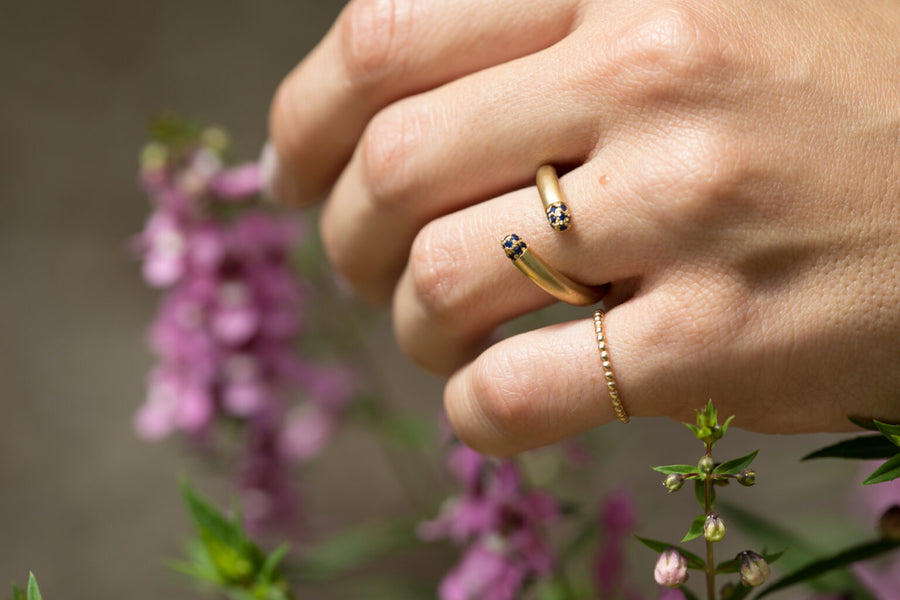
[725,425]
[708,416]
[864,423]
[33,592]
[235,557]
[735,465]
[198,572]
[864,447]
[728,566]
[769,533]
[353,547]
[891,432]
[696,529]
[888,471]
[693,561]
[18,593]
[268,573]
[740,592]
[677,469]
[837,561]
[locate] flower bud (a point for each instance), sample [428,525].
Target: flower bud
[889,524]
[671,569]
[714,528]
[754,568]
[674,482]
[747,477]
[706,464]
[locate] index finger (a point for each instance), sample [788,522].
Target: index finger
[379,51]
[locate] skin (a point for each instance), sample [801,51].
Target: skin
[732,168]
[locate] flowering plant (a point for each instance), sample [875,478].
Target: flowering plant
[241,377]
[233,359]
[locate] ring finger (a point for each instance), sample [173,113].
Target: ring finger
[459,286]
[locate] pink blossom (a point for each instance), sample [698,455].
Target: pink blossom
[616,519]
[226,332]
[500,521]
[484,573]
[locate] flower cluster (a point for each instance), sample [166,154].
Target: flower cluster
[226,331]
[499,521]
[672,566]
[616,520]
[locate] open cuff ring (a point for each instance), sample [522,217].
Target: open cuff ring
[555,206]
[546,277]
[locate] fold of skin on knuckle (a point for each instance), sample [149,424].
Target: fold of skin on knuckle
[442,299]
[371,281]
[289,131]
[388,151]
[373,38]
[491,408]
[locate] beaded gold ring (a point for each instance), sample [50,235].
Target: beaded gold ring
[611,386]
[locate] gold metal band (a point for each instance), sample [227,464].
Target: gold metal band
[555,206]
[613,389]
[546,277]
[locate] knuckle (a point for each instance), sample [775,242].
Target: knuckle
[662,50]
[337,250]
[500,399]
[356,270]
[372,36]
[387,147]
[700,177]
[435,270]
[287,128]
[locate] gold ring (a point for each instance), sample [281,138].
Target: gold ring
[607,368]
[555,206]
[546,277]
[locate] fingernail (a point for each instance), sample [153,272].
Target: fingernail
[270,174]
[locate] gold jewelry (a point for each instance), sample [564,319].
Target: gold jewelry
[607,368]
[546,277]
[552,197]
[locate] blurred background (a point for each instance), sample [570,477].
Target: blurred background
[91,509]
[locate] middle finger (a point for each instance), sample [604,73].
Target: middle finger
[437,152]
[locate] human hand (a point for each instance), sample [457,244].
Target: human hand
[735,176]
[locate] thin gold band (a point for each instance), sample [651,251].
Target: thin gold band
[613,389]
[552,198]
[546,277]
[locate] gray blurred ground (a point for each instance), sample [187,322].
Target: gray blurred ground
[83,503]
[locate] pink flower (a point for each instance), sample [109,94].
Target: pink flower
[501,523]
[484,573]
[226,332]
[616,518]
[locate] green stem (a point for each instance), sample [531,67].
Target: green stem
[710,559]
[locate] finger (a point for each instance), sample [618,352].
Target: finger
[537,388]
[459,285]
[434,153]
[381,50]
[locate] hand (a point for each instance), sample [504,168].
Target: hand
[735,175]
